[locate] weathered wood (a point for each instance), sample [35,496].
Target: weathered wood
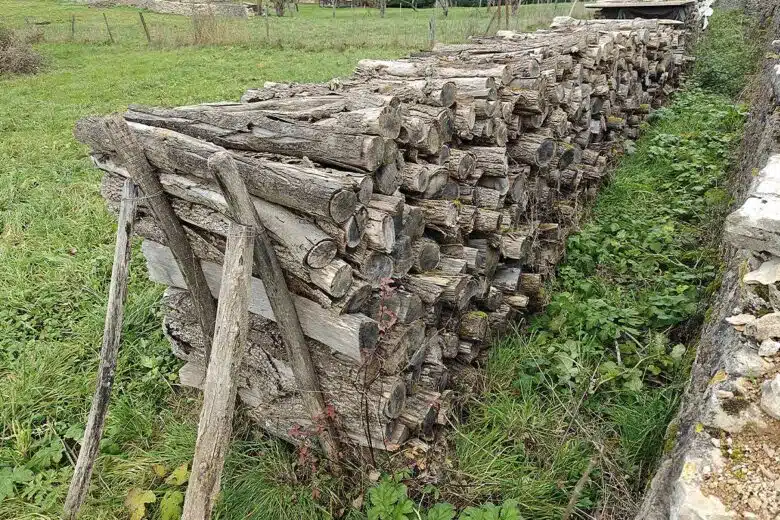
[347,334]
[313,191]
[263,133]
[112,333]
[284,309]
[134,160]
[532,149]
[334,278]
[219,388]
[425,254]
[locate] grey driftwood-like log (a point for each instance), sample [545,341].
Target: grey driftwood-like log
[221,382]
[346,333]
[112,334]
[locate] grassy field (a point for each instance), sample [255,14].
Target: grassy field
[55,255]
[55,250]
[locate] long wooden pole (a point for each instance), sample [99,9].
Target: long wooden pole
[112,332]
[241,209]
[132,156]
[219,389]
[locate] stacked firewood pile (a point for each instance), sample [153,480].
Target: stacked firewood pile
[416,208]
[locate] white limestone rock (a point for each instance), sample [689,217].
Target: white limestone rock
[770,397]
[767,274]
[768,348]
[756,224]
[765,327]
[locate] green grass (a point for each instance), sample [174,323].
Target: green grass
[731,53]
[311,29]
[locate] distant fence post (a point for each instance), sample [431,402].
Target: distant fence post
[432,31]
[146,29]
[73,27]
[267,23]
[110,36]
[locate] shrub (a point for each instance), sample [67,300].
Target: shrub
[16,56]
[728,53]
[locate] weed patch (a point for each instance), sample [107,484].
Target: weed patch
[598,374]
[729,54]
[17,56]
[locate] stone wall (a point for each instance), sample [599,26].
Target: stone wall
[184,8]
[724,456]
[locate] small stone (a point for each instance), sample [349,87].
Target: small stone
[755,503]
[776,45]
[749,515]
[715,442]
[767,274]
[765,327]
[769,347]
[741,319]
[770,397]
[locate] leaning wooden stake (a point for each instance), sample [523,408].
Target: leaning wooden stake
[108,28]
[220,386]
[146,29]
[112,331]
[133,158]
[241,209]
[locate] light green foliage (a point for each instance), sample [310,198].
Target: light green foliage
[171,505]
[729,53]
[600,371]
[389,500]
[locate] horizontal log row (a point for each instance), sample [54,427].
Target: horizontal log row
[416,208]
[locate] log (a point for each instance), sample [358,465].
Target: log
[334,278]
[112,334]
[491,160]
[221,383]
[425,255]
[403,257]
[474,326]
[301,238]
[371,266]
[309,190]
[532,149]
[347,334]
[461,164]
[262,133]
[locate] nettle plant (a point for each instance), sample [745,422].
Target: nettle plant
[640,269]
[389,500]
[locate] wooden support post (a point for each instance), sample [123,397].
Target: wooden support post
[221,384]
[132,156]
[108,28]
[73,27]
[146,29]
[241,209]
[112,331]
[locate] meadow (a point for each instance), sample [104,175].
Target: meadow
[527,439]
[57,238]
